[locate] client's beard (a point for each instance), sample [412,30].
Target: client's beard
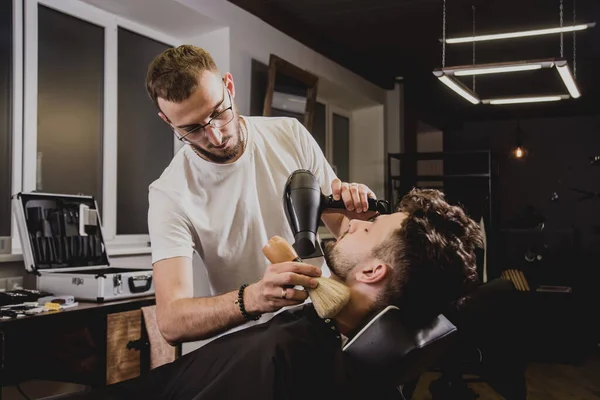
[229,154]
[338,264]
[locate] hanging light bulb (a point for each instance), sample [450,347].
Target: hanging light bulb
[519,152]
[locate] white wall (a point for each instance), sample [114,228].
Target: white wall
[217,43]
[253,38]
[367,149]
[241,69]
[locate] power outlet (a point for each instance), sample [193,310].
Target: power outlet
[14,283]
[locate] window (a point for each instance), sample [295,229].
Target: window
[145,143]
[70,103]
[6,79]
[89,126]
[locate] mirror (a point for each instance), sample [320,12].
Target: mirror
[291,92]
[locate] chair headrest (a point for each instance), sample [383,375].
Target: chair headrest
[389,351]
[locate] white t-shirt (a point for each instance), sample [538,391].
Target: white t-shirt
[228,212]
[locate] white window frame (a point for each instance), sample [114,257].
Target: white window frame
[17,116]
[117,244]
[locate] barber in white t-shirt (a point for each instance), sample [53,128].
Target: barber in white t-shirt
[221,197]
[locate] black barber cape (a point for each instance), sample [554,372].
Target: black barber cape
[295,355]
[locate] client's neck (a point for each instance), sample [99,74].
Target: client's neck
[352,315]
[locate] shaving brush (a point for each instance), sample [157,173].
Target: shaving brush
[328,298]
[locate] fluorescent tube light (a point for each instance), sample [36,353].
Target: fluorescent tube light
[518,100]
[481,71]
[457,87]
[512,35]
[494,68]
[565,73]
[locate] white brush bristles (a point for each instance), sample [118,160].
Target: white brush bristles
[329,297]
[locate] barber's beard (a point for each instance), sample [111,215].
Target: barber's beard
[339,264]
[222,157]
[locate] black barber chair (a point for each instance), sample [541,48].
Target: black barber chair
[389,355]
[487,346]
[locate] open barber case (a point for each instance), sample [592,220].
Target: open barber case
[62,241]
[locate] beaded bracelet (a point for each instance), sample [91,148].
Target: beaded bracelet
[240,303]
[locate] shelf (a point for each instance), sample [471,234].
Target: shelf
[437,155]
[533,230]
[11,258]
[442,177]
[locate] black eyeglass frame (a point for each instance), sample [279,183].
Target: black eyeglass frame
[182,138]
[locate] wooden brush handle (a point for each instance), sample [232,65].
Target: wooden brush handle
[278,250]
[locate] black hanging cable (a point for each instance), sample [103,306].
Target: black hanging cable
[574,41]
[473,7]
[561,30]
[444,34]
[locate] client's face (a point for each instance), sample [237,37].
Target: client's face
[356,246]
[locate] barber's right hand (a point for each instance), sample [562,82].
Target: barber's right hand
[276,289]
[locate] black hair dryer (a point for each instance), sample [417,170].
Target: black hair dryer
[304,202]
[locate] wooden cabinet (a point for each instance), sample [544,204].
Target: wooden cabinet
[90,344]
[122,360]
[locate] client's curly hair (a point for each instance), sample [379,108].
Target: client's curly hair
[432,255]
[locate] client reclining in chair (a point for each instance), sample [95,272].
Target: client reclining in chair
[420,258]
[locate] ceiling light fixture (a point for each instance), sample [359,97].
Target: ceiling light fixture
[520,100]
[514,35]
[565,73]
[483,71]
[458,87]
[448,75]
[496,68]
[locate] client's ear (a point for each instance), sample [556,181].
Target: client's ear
[372,273]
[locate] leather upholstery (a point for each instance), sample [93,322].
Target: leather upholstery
[387,351]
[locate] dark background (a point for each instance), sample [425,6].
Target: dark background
[539,189]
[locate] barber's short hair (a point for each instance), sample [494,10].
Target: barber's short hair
[173,74]
[432,256]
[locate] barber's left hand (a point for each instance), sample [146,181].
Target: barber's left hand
[355,197]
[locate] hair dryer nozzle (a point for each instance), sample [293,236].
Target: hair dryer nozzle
[301,202]
[305,243]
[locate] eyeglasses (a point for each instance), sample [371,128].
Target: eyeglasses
[216,122]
